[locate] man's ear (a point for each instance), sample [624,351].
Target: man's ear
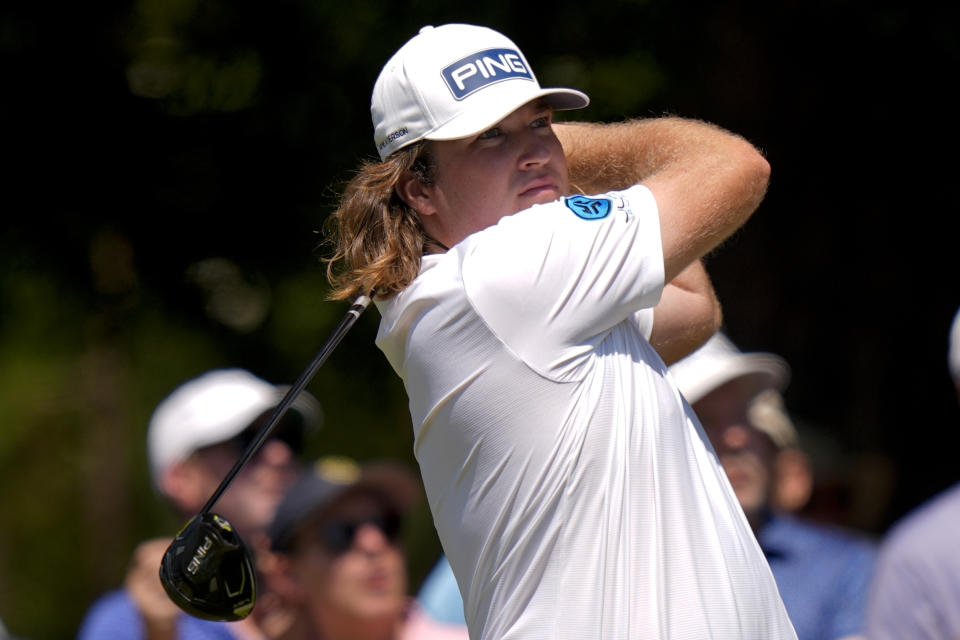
[794,481]
[416,194]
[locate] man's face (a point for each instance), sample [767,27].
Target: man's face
[253,496]
[508,168]
[349,568]
[747,455]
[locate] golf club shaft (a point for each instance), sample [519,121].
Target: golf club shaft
[359,306]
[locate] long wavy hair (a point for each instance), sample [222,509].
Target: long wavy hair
[377,239]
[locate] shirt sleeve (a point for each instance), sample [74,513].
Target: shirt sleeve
[644,321]
[551,281]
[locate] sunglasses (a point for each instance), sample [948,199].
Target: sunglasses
[337,536]
[289,431]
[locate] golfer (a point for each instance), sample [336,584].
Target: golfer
[533,280]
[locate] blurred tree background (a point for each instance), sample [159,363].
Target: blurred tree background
[169,164]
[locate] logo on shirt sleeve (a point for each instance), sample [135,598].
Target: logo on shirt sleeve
[589,208]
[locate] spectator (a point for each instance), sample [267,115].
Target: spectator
[338,555]
[916,591]
[823,573]
[194,438]
[440,595]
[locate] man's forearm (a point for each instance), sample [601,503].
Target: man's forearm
[603,157]
[688,314]
[707,181]
[609,156]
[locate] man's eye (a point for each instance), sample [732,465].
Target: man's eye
[489,134]
[541,122]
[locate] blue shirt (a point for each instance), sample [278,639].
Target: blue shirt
[916,594]
[440,595]
[823,574]
[114,617]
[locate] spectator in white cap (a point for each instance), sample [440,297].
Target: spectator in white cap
[823,574]
[916,591]
[194,437]
[339,555]
[197,433]
[722,383]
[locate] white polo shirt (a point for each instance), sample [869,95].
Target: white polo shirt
[572,487]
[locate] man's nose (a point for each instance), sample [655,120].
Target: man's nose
[535,152]
[736,437]
[276,453]
[369,538]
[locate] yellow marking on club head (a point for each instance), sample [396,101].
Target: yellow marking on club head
[244,610]
[184,527]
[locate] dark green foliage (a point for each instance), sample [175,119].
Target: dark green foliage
[169,164]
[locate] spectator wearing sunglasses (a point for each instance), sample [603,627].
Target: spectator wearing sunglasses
[194,438]
[338,554]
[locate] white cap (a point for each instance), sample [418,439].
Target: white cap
[767,413]
[454,81]
[719,361]
[953,356]
[212,409]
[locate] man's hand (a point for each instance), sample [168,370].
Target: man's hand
[143,584]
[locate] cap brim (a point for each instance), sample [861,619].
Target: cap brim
[394,484]
[765,371]
[305,404]
[496,103]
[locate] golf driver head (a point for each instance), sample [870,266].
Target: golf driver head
[208,571]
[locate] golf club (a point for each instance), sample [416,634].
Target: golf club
[207,570]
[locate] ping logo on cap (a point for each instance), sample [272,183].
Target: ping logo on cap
[483,68]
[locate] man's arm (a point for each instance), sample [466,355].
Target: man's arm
[688,314]
[706,181]
[157,611]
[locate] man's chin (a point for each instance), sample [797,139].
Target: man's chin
[543,195]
